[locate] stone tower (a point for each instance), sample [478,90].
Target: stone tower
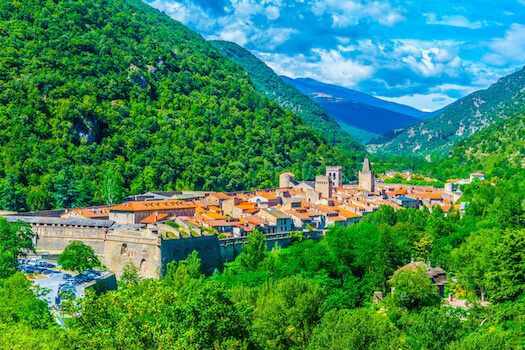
[323,184]
[336,174]
[286,180]
[367,177]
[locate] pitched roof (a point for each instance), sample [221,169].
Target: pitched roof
[219,195]
[431,195]
[153,218]
[152,205]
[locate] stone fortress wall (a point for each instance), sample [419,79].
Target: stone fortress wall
[149,247]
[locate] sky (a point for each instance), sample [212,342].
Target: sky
[422,53]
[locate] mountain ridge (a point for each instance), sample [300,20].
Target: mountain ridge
[465,117]
[269,84]
[361,97]
[362,120]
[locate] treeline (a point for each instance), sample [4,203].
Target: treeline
[316,294]
[102,98]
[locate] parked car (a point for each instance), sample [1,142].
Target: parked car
[66,276]
[34,261]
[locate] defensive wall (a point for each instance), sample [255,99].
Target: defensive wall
[149,247]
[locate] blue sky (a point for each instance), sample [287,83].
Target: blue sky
[424,53]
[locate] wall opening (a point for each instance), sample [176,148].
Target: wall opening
[124,249]
[142,267]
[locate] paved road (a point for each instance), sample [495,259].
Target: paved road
[52,283]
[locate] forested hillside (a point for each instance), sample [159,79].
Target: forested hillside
[103,96]
[466,117]
[497,151]
[272,86]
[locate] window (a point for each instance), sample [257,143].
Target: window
[124,249]
[142,265]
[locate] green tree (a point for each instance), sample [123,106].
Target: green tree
[483,340]
[436,329]
[78,257]
[359,329]
[413,289]
[255,251]
[506,279]
[112,186]
[15,240]
[130,274]
[65,192]
[152,315]
[11,197]
[474,258]
[287,313]
[185,273]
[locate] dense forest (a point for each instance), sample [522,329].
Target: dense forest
[101,98]
[272,86]
[311,295]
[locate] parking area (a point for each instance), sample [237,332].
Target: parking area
[60,283]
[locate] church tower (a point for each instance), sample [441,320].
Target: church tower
[367,177]
[335,173]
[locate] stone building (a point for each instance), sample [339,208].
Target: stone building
[367,177]
[287,180]
[323,184]
[135,212]
[335,173]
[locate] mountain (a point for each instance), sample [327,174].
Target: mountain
[114,96]
[361,119]
[272,86]
[308,86]
[467,116]
[497,150]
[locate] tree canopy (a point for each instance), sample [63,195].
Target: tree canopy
[78,257]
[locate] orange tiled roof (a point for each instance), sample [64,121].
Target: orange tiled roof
[299,215]
[153,218]
[347,214]
[399,192]
[337,218]
[90,212]
[214,216]
[152,205]
[220,195]
[431,195]
[267,195]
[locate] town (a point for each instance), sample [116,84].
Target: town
[155,228]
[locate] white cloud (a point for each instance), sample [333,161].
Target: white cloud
[510,48]
[272,12]
[323,65]
[454,21]
[428,102]
[349,13]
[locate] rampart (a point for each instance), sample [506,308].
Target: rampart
[149,247]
